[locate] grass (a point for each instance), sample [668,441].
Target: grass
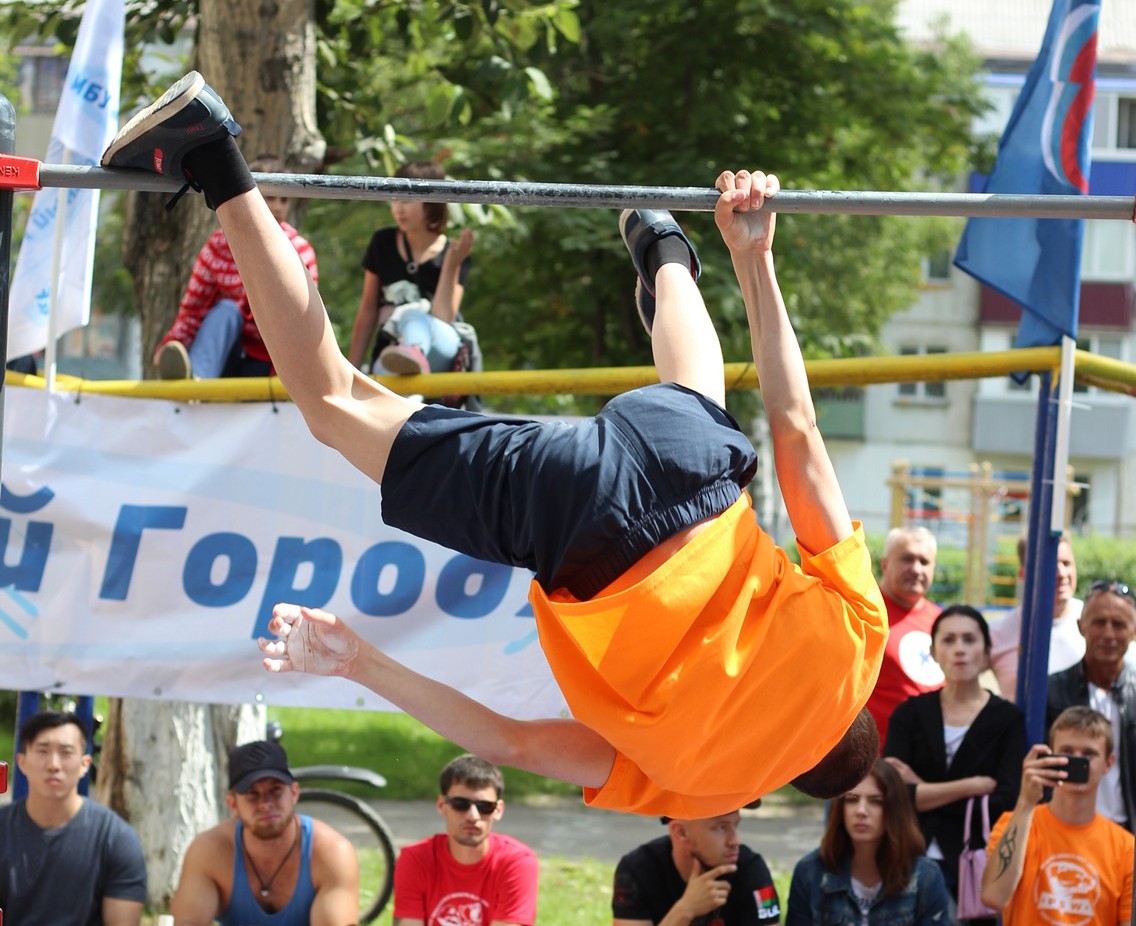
[573,892]
[401,749]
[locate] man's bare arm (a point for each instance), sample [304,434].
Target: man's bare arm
[808,481]
[118,912]
[315,641]
[197,900]
[335,875]
[1005,864]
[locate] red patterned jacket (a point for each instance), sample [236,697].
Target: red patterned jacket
[215,278]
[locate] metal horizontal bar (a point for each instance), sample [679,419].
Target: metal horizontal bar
[602,196]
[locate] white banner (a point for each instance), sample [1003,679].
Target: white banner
[85,123]
[145,542]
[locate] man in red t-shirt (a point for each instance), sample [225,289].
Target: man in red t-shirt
[469,874]
[907,569]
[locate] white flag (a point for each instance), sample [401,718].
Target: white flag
[85,123]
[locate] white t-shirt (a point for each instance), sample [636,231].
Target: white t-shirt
[952,739]
[864,896]
[1066,646]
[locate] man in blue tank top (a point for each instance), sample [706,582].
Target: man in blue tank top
[267,865]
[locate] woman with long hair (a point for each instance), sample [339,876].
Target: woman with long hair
[413,284]
[957,743]
[870,869]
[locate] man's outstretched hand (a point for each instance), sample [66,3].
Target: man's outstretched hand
[744,225]
[309,640]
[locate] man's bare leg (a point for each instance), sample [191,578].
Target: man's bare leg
[342,407]
[685,345]
[189,134]
[683,339]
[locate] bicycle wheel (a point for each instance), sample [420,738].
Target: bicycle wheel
[368,834]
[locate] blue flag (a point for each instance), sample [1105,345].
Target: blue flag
[1045,149]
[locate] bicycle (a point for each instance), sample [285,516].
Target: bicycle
[355,819]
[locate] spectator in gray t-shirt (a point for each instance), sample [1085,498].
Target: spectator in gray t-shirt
[65,860]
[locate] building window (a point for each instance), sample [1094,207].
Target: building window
[937,268]
[936,391]
[41,80]
[1103,345]
[1114,123]
[1109,253]
[1126,122]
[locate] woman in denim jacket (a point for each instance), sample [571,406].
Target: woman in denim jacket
[870,869]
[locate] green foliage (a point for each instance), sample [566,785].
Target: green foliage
[822,91]
[575,892]
[1103,558]
[396,746]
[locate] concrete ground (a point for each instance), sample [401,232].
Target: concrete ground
[779,831]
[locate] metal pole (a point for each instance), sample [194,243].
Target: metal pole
[7,146]
[1041,571]
[602,196]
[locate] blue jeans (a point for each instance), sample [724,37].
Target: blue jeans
[437,340]
[216,350]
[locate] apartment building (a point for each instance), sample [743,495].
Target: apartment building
[946,427]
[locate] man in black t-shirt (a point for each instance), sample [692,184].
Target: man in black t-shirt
[699,873]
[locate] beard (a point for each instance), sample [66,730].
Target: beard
[271,829]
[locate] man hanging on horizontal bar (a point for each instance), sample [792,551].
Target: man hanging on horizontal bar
[703,669]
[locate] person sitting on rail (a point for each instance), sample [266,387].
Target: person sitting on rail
[413,283]
[214,333]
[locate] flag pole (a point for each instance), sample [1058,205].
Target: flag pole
[51,348]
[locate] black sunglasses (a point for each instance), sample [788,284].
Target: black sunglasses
[1112,585]
[462,805]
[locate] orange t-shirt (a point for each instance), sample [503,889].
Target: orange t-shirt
[725,673]
[1071,874]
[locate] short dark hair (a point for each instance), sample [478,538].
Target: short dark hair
[962,610]
[472,771]
[50,720]
[1023,545]
[902,843]
[846,763]
[437,215]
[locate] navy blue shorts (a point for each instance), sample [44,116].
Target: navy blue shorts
[579,503]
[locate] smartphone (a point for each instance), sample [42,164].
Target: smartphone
[1077,770]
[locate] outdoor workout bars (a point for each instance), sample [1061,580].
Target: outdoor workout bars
[26,174]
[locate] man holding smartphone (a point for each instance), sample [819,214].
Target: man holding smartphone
[1061,861]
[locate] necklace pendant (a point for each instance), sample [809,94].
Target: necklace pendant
[264,892]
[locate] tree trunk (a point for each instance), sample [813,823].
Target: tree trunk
[260,56]
[159,248]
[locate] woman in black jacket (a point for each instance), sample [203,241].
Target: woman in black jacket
[958,742]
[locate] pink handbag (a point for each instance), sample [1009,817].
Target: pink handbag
[972,863]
